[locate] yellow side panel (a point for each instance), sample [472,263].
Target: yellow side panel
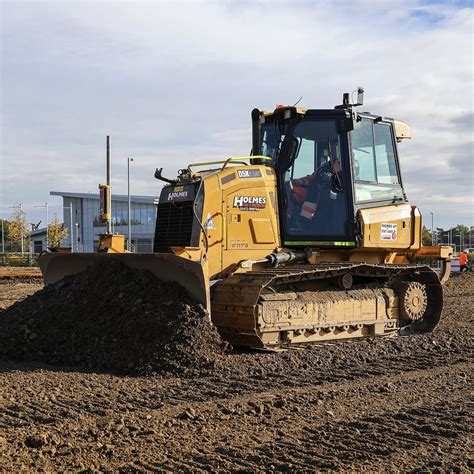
[262,231]
[417,229]
[213,222]
[239,217]
[387,227]
[250,213]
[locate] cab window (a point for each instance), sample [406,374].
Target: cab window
[374,163]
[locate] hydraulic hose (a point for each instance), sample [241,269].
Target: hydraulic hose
[275,259]
[199,220]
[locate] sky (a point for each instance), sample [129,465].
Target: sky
[175,82]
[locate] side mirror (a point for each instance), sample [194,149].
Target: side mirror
[290,150]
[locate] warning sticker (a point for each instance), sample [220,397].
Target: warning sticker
[209,224]
[388,231]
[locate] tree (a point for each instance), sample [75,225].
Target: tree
[426,237]
[57,233]
[4,228]
[18,227]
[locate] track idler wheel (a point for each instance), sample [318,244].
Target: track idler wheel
[413,300]
[345,281]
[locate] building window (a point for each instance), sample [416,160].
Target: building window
[151,210]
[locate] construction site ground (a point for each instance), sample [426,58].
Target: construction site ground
[398,404]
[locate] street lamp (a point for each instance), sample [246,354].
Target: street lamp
[432,228]
[20,208]
[77,237]
[129,241]
[461,240]
[3,236]
[71,227]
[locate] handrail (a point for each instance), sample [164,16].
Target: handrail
[234,159]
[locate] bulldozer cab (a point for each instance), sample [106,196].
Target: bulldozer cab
[329,164]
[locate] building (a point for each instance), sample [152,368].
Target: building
[83,210]
[38,240]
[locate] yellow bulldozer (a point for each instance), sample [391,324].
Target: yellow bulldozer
[309,239]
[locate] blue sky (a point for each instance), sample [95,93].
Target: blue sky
[174,82]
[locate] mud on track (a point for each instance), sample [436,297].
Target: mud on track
[392,404]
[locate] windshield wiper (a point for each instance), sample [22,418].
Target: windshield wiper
[397,198]
[337,180]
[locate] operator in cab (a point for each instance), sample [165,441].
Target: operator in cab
[314,196]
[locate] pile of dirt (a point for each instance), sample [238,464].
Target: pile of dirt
[112,317]
[459,284]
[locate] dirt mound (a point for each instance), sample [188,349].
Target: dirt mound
[459,284]
[112,317]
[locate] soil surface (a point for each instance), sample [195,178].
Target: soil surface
[396,404]
[13,290]
[20,272]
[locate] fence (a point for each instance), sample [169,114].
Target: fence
[16,259]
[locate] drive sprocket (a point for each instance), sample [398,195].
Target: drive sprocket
[412,300]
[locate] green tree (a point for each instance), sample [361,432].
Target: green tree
[460,235]
[57,233]
[18,227]
[4,236]
[426,236]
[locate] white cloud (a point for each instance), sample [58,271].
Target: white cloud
[175,82]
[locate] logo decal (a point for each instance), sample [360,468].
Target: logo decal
[388,231]
[253,173]
[250,203]
[177,195]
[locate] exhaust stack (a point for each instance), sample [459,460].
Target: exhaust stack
[105,197]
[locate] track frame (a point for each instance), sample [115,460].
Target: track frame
[301,304]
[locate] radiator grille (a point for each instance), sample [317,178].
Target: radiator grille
[174,225]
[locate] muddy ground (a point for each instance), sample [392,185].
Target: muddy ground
[387,405]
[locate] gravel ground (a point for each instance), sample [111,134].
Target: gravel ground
[398,404]
[13,290]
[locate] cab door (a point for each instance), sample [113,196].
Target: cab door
[314,179]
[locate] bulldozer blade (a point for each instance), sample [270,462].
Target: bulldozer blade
[167,267]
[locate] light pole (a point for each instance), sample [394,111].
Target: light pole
[432,228]
[460,240]
[47,218]
[20,208]
[129,241]
[3,236]
[71,227]
[77,237]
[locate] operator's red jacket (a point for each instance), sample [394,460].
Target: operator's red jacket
[301,186]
